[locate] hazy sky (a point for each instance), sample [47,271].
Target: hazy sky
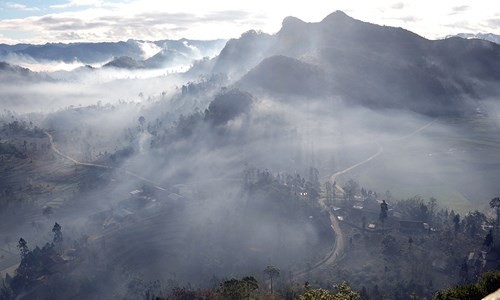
[37,21]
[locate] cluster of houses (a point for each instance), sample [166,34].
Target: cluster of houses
[364,214]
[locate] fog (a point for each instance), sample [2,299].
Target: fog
[183,178]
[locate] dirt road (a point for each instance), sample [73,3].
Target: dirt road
[127,172]
[340,238]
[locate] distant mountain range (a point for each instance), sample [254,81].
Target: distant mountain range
[164,51]
[362,63]
[376,66]
[482,36]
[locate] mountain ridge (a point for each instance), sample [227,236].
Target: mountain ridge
[101,52]
[372,65]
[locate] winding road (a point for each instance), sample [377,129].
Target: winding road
[132,174]
[340,238]
[334,176]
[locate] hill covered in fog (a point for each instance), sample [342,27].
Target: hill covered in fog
[273,157]
[363,63]
[97,53]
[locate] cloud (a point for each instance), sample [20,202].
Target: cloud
[20,6]
[111,24]
[399,5]
[459,9]
[494,24]
[73,3]
[463,26]
[227,15]
[406,18]
[69,36]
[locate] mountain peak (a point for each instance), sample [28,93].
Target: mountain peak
[292,21]
[336,16]
[292,25]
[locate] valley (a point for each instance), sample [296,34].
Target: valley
[336,157]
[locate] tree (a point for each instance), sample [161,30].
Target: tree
[328,188]
[232,289]
[5,291]
[344,291]
[486,284]
[351,188]
[22,245]
[314,294]
[235,289]
[58,236]
[340,292]
[314,178]
[472,222]
[142,121]
[272,272]
[251,285]
[464,270]
[488,240]
[384,208]
[228,105]
[413,208]
[489,282]
[456,223]
[495,203]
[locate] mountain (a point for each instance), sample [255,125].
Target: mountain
[295,77]
[368,64]
[239,55]
[124,62]
[482,36]
[93,53]
[13,73]
[168,58]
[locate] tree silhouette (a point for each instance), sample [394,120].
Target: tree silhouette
[488,240]
[384,208]
[22,245]
[272,272]
[231,289]
[58,237]
[472,222]
[251,284]
[456,222]
[328,188]
[495,203]
[142,121]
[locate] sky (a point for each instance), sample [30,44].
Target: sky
[39,22]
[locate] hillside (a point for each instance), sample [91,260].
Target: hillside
[372,65]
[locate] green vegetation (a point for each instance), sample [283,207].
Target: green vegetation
[340,292]
[488,283]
